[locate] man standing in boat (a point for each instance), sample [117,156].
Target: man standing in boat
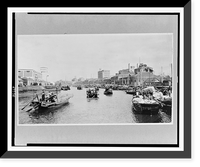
[43,95]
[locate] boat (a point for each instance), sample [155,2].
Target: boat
[79,87]
[145,106]
[108,91]
[65,87]
[167,105]
[152,100]
[131,91]
[92,93]
[115,87]
[38,105]
[122,87]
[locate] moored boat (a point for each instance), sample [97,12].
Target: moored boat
[145,106]
[167,105]
[38,104]
[108,91]
[65,88]
[131,91]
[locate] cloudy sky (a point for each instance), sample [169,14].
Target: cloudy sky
[82,55]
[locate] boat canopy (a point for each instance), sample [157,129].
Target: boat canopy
[149,89]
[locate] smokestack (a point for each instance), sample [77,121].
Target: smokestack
[129,66]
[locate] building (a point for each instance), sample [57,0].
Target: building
[28,81]
[30,76]
[124,75]
[20,82]
[29,73]
[153,81]
[103,74]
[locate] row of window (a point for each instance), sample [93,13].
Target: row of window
[29,74]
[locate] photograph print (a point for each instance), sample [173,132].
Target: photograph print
[95,78]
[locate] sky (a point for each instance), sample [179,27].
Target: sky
[81,55]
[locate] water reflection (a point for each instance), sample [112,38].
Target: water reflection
[47,115]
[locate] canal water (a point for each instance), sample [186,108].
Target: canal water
[114,109]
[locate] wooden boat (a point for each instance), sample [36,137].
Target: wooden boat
[167,105]
[37,104]
[65,88]
[108,91]
[144,106]
[131,91]
[91,93]
[79,87]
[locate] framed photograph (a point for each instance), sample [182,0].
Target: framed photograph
[99,82]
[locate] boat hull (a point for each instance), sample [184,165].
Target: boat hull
[131,92]
[41,106]
[92,96]
[146,109]
[167,107]
[142,107]
[108,93]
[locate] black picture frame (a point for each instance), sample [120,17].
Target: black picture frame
[186,153]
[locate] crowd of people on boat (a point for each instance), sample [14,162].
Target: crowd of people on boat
[50,97]
[92,92]
[152,93]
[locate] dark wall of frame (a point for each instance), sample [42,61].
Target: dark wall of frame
[129,154]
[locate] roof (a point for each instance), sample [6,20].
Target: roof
[152,80]
[30,79]
[29,70]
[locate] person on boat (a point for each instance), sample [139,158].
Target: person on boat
[143,94]
[95,93]
[48,97]
[53,97]
[92,91]
[151,96]
[137,94]
[43,96]
[96,89]
[88,92]
[107,89]
[158,95]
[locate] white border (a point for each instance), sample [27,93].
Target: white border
[117,10]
